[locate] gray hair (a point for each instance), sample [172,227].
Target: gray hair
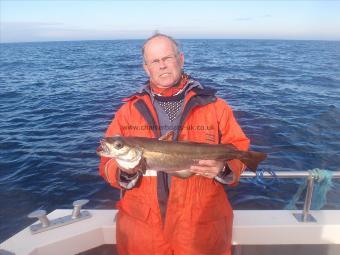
[175,43]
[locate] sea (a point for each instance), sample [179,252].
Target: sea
[57,99]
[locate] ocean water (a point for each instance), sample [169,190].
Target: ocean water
[57,98]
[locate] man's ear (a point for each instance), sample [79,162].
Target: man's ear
[146,69]
[181,59]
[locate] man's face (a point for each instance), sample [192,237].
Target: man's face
[163,63]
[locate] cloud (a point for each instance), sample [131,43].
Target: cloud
[40,31]
[19,31]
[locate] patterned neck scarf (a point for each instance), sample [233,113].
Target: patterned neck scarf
[175,89]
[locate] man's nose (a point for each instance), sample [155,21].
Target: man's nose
[162,64]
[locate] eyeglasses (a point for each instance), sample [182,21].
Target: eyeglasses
[166,60]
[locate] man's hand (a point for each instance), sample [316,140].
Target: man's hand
[208,168]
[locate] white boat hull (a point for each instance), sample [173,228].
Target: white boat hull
[251,227]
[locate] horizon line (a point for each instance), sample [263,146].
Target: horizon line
[143,39]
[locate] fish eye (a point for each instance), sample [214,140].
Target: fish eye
[118,145]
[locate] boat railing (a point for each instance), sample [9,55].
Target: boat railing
[311,176]
[45,224]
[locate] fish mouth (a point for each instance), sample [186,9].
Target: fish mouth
[103,149]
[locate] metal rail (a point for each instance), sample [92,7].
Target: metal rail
[305,216]
[286,174]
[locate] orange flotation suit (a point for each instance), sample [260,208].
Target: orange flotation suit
[198,219]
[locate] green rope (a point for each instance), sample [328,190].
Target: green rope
[322,184]
[292,203]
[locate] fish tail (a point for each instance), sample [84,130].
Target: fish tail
[252,159]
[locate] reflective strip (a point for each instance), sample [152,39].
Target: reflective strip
[227,180]
[243,167]
[150,173]
[106,170]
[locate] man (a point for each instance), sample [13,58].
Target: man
[163,214]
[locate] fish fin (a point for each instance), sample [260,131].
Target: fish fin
[169,136]
[252,159]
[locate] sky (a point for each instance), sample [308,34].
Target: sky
[61,20]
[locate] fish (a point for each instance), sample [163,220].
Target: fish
[173,157]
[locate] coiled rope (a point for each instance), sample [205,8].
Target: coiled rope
[322,184]
[260,180]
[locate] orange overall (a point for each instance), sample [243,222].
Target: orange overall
[198,217]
